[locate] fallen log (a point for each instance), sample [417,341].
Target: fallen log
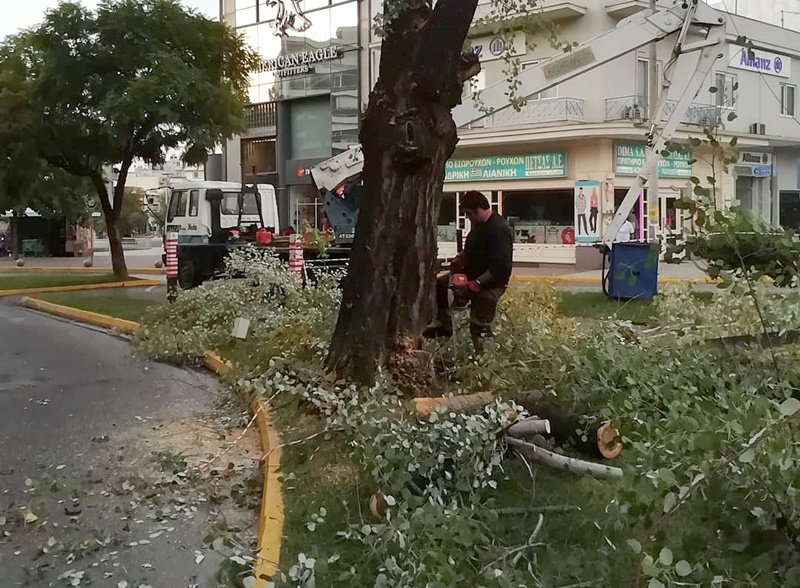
[527,427]
[562,462]
[566,427]
[466,403]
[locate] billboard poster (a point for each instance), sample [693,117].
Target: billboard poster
[587,211]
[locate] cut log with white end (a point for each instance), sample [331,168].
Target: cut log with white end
[466,403]
[561,462]
[527,427]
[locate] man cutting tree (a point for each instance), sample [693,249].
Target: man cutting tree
[479,275]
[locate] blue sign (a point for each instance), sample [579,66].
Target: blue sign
[762,62]
[762,171]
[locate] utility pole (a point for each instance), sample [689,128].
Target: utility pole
[652,191]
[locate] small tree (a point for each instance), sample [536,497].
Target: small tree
[27,180]
[126,82]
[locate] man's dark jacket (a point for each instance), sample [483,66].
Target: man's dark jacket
[489,248]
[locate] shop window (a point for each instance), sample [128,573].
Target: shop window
[788,93]
[258,157]
[789,213]
[311,128]
[446,225]
[309,207]
[539,216]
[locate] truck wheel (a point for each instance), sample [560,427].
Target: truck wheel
[187,275]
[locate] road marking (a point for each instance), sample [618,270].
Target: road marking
[151,288]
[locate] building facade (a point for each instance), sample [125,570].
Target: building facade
[558,168]
[304,96]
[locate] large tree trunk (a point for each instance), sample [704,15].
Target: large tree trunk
[111,215]
[407,136]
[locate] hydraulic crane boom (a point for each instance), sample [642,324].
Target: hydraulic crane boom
[630,34]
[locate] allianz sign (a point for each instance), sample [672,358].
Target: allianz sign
[762,62]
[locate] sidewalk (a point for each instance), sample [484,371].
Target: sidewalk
[667,273]
[147,258]
[135,259]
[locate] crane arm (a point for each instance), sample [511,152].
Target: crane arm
[630,34]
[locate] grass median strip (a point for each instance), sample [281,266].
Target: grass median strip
[119,303]
[10,281]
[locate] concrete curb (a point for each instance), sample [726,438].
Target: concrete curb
[270,520]
[271,517]
[78,287]
[77,270]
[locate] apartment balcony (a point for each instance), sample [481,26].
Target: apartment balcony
[550,10]
[547,110]
[261,119]
[626,108]
[624,8]
[703,115]
[635,108]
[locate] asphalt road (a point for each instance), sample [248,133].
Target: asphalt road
[92,486]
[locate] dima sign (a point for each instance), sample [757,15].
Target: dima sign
[297,63]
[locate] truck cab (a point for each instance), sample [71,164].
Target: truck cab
[210,218]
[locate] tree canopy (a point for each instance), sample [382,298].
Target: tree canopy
[125,82]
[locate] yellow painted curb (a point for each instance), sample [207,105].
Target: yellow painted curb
[81,315]
[76,270]
[271,519]
[78,287]
[271,516]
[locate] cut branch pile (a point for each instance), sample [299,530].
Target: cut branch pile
[526,436]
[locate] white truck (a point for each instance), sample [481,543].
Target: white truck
[637,31]
[211,218]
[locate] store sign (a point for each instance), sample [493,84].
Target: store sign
[629,159]
[755,158]
[760,62]
[507,167]
[491,48]
[298,63]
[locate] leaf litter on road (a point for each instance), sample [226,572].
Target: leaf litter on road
[158,481]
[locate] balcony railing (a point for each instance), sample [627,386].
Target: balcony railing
[703,115]
[259,116]
[536,111]
[635,108]
[627,108]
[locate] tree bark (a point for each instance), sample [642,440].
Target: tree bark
[407,136]
[111,215]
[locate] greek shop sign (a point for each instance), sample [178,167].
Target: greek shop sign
[629,159]
[507,167]
[762,62]
[297,63]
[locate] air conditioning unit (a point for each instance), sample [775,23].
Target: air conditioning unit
[633,112]
[758,129]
